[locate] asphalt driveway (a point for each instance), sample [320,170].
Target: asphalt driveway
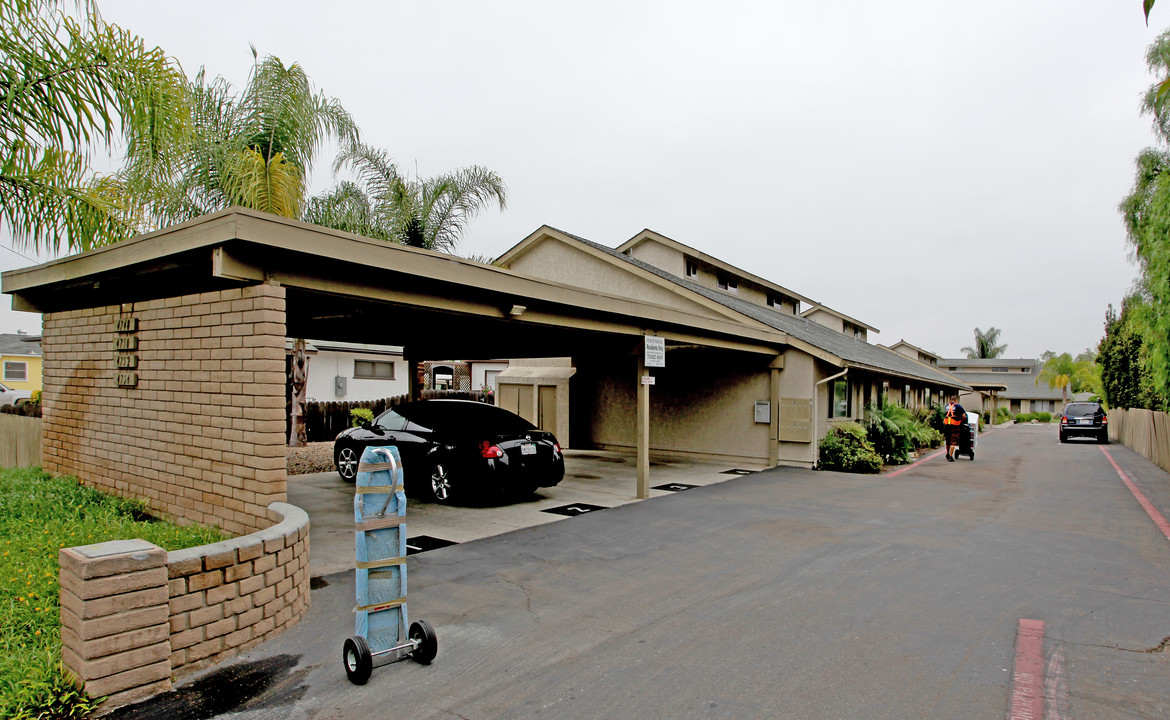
[782,594]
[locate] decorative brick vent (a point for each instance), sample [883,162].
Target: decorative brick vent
[134,617]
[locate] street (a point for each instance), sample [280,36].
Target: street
[783,594]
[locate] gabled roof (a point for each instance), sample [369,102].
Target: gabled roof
[727,267]
[16,344]
[915,348]
[824,308]
[816,339]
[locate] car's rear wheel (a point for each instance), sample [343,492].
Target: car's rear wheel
[347,462]
[440,483]
[1063,437]
[1103,438]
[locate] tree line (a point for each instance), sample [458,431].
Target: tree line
[192,145]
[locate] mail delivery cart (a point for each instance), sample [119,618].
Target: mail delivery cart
[969,435]
[379,509]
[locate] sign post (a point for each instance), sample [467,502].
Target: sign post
[653,355]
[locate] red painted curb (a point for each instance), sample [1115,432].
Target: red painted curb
[1028,673]
[1148,506]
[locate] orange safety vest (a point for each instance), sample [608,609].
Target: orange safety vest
[950,418]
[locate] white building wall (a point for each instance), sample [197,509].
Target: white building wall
[327,365]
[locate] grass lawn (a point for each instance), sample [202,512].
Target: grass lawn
[39,515]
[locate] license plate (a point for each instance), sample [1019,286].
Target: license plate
[1085,421]
[528,449]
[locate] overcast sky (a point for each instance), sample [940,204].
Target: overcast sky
[924,167]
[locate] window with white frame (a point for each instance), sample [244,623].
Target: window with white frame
[692,269]
[373,369]
[16,370]
[729,284]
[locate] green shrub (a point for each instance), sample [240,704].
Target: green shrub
[1044,417]
[39,515]
[895,432]
[846,449]
[360,416]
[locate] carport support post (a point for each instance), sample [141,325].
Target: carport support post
[643,420]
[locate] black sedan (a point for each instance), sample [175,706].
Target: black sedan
[1084,419]
[454,449]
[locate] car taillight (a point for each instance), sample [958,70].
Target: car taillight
[557,448]
[1104,419]
[1063,420]
[490,451]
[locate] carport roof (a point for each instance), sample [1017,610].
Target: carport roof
[341,286]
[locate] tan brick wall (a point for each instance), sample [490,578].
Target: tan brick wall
[133,616]
[202,436]
[114,632]
[231,596]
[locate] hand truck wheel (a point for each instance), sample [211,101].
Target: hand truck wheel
[428,643]
[358,661]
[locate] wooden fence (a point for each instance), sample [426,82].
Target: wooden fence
[324,420]
[20,441]
[1146,432]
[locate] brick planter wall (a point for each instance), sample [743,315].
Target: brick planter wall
[201,435]
[134,617]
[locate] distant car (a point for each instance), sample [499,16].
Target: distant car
[453,450]
[1084,419]
[8,396]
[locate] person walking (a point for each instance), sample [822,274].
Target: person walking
[954,416]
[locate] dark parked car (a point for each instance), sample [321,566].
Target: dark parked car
[456,449]
[1084,419]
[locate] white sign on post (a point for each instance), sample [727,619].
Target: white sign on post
[655,351]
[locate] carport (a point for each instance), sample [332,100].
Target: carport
[164,355]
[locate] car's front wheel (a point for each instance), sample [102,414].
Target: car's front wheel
[347,462]
[440,483]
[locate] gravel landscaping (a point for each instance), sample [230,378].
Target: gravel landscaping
[312,458]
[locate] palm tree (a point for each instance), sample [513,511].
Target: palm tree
[256,149]
[430,213]
[68,85]
[1058,371]
[985,345]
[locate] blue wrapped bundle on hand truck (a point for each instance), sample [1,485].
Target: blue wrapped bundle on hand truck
[379,510]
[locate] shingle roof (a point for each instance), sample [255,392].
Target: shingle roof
[853,351]
[1020,386]
[11,344]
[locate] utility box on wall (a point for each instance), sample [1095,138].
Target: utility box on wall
[339,385]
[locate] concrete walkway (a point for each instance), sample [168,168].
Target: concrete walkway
[593,479]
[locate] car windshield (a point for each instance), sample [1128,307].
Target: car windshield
[469,416]
[1078,409]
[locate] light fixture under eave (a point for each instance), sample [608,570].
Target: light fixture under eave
[517,310]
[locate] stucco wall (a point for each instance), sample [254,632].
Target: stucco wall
[558,262]
[661,256]
[703,403]
[201,436]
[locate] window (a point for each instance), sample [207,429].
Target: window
[999,369]
[16,370]
[373,369]
[839,397]
[729,284]
[692,269]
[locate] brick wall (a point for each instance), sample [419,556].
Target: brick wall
[201,436]
[134,616]
[230,596]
